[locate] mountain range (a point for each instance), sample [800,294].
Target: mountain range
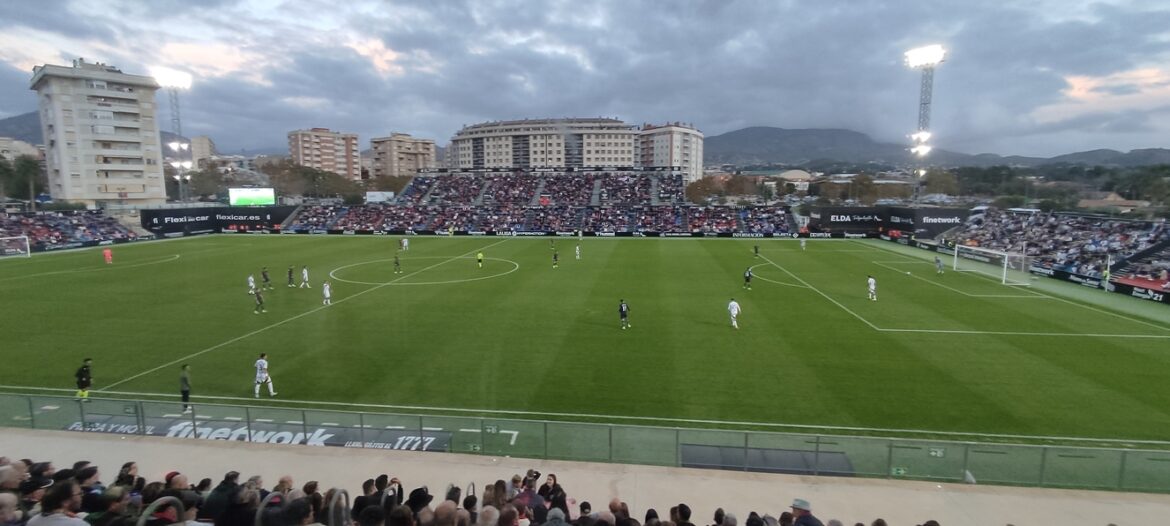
[767,145]
[796,147]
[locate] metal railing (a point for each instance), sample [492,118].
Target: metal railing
[1104,468]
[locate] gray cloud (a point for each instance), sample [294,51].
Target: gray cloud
[721,65]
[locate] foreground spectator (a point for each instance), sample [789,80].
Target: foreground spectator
[60,506]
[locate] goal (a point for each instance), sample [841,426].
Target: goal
[14,247]
[1009,268]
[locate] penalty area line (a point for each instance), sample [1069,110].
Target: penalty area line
[286,320]
[818,291]
[593,416]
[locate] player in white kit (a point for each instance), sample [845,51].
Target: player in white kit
[251,284]
[262,376]
[327,290]
[733,310]
[872,283]
[578,251]
[802,242]
[305,278]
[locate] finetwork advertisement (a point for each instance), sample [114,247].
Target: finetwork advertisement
[325,434]
[251,196]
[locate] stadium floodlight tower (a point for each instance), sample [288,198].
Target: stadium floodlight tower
[925,58]
[173,80]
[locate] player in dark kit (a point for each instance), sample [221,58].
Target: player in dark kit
[259,303]
[84,378]
[290,278]
[747,279]
[397,265]
[624,313]
[265,279]
[556,258]
[757,249]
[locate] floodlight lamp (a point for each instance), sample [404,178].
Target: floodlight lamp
[187,177]
[921,137]
[171,78]
[176,164]
[921,172]
[176,176]
[186,165]
[921,150]
[174,145]
[926,56]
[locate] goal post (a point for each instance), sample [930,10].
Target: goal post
[16,246]
[1008,268]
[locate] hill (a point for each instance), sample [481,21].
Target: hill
[797,147]
[24,127]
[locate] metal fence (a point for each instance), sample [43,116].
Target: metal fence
[812,454]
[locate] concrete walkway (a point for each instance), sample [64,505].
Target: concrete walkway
[850,500]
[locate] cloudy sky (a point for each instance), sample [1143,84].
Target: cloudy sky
[1029,77]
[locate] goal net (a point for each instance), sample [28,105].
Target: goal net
[14,247]
[1009,268]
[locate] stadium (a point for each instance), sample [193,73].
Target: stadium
[938,374]
[579,321]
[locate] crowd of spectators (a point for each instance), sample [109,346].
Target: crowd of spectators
[455,190]
[1079,244]
[1153,269]
[416,190]
[316,218]
[625,189]
[510,189]
[570,191]
[59,228]
[564,218]
[40,494]
[671,189]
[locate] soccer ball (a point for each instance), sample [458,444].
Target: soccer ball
[907,272]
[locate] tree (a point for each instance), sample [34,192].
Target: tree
[1008,201]
[939,181]
[388,183]
[698,191]
[863,189]
[27,175]
[7,176]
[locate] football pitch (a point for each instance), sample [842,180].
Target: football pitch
[955,352]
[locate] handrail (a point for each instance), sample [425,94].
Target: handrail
[1104,465]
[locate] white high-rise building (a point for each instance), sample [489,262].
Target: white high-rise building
[101,134]
[326,150]
[536,143]
[401,155]
[673,144]
[202,150]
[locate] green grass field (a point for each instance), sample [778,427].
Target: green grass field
[956,352]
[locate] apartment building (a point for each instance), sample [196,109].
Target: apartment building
[101,134]
[202,150]
[672,144]
[401,155]
[326,150]
[535,143]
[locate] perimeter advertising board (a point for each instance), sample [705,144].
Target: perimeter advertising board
[170,222]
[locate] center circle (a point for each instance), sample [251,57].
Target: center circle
[334,273]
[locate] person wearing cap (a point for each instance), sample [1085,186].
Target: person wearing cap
[176,480]
[802,513]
